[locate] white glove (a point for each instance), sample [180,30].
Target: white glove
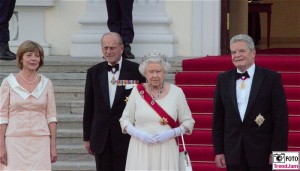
[167,134]
[145,138]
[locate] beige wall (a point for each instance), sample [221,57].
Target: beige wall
[181,15]
[61,22]
[285,22]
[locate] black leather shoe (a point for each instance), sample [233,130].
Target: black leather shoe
[127,51]
[5,53]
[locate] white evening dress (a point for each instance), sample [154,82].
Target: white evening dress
[160,156]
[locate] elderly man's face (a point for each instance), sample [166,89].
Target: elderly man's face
[112,49]
[242,57]
[155,74]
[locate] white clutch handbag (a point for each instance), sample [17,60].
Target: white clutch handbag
[184,159]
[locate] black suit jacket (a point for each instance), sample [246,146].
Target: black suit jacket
[101,122]
[231,134]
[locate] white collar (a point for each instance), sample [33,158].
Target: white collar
[249,70]
[11,79]
[120,63]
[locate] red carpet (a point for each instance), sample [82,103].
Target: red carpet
[282,51]
[198,80]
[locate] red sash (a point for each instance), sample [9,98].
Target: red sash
[165,117]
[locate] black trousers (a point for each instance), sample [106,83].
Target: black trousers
[6,10]
[245,167]
[120,18]
[108,160]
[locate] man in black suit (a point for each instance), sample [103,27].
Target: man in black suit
[108,85]
[250,118]
[120,21]
[6,11]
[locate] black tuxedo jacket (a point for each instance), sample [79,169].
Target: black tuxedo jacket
[231,134]
[101,122]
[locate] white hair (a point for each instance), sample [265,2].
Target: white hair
[143,66]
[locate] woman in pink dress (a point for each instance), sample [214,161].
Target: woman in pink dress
[27,114]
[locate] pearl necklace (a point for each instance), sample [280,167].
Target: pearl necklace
[29,82]
[157,95]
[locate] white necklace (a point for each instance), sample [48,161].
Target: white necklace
[157,95]
[29,82]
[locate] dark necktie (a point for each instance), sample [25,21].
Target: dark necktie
[110,68]
[242,75]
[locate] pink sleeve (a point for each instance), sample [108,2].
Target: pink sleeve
[51,106]
[4,102]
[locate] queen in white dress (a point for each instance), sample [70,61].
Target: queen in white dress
[153,143]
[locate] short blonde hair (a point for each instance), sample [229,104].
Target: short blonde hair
[29,46]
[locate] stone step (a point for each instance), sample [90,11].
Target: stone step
[69,92]
[73,153]
[69,121]
[67,68]
[68,106]
[74,166]
[75,79]
[69,136]
[59,64]
[60,79]
[67,64]
[67,79]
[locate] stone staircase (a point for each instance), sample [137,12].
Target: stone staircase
[68,77]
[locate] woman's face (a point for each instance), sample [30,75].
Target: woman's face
[31,61]
[155,74]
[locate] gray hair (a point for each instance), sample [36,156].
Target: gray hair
[114,34]
[143,66]
[243,38]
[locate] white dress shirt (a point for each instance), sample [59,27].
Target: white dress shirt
[113,87]
[242,95]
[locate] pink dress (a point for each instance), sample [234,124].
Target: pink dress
[27,116]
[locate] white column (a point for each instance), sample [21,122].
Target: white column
[206,28]
[151,26]
[27,23]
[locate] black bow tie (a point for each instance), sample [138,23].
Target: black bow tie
[110,68]
[242,75]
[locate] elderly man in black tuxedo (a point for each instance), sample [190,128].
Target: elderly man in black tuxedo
[250,118]
[108,85]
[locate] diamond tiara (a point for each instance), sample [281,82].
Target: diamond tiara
[155,55]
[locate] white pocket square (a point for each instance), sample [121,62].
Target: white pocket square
[129,86]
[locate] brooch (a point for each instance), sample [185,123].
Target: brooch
[163,121]
[259,120]
[142,93]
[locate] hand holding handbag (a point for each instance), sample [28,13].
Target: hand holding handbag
[184,159]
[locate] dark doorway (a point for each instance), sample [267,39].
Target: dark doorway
[225,26]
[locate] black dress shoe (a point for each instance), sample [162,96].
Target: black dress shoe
[5,53]
[127,51]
